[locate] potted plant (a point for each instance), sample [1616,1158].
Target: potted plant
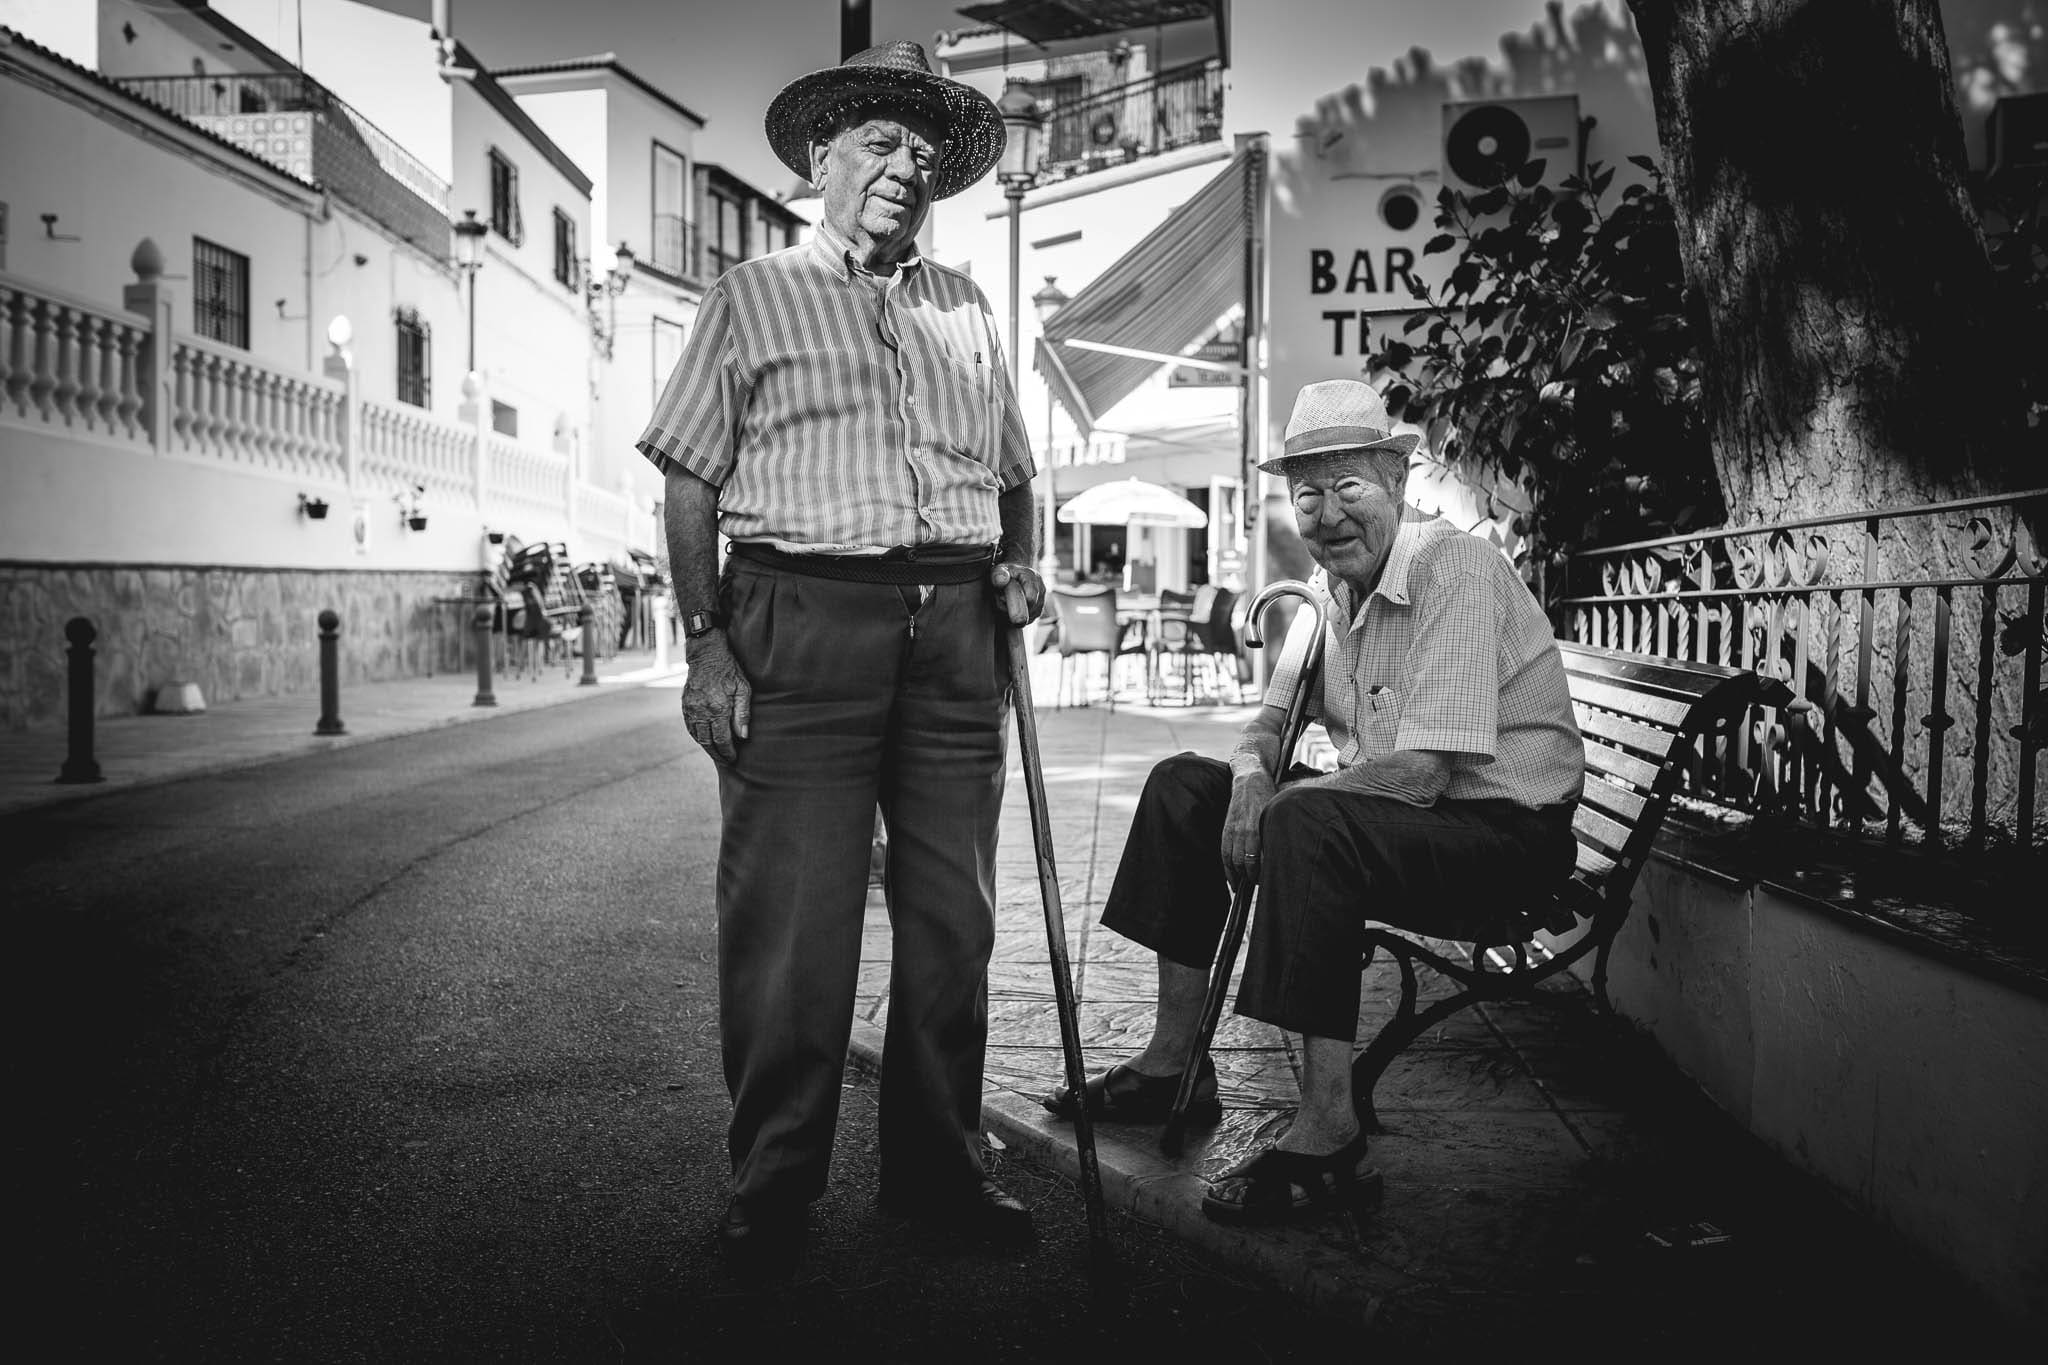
[316,508]
[409,507]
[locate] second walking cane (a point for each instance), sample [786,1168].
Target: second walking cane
[1243,887]
[1056,944]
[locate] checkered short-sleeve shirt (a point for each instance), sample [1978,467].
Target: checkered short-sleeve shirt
[1450,652]
[840,410]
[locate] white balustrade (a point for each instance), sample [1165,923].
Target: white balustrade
[225,406]
[68,363]
[401,447]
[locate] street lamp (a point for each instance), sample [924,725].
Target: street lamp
[469,254]
[611,286]
[1016,170]
[1046,302]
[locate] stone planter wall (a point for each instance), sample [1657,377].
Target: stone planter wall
[237,632]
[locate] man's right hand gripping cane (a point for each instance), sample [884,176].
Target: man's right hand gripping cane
[1251,788]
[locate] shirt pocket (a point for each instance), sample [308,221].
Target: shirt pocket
[964,418]
[1379,721]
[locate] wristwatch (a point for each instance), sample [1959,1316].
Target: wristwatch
[700,622]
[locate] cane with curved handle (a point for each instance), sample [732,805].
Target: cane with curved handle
[1243,885]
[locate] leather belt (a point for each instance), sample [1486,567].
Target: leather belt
[914,564]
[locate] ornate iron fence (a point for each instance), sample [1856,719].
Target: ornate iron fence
[1172,109]
[1867,628]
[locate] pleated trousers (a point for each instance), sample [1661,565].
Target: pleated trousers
[863,694]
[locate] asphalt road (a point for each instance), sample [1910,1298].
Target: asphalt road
[409,1052]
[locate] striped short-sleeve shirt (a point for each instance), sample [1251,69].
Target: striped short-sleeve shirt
[837,410]
[1449,652]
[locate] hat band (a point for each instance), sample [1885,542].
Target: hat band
[1330,438]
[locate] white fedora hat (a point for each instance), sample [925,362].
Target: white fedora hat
[1338,414]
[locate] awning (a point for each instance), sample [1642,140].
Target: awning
[1044,21]
[1162,297]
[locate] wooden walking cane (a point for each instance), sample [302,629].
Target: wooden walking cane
[1244,885]
[1056,943]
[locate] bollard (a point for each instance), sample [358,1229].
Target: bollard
[484,695]
[79,764]
[586,623]
[330,675]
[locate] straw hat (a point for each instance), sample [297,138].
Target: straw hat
[1338,414]
[893,77]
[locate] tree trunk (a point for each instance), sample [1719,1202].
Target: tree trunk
[1857,344]
[1818,174]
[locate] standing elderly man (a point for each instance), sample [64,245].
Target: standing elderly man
[1459,764]
[841,413]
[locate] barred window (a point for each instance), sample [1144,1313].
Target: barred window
[415,362]
[671,242]
[220,293]
[505,219]
[565,249]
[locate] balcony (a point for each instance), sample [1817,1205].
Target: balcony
[1160,113]
[300,126]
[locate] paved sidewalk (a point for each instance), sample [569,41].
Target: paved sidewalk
[1534,1153]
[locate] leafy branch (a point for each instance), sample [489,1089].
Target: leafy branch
[1558,364]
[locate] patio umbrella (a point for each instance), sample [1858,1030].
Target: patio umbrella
[1132,502]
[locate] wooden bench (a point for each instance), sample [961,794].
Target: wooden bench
[1643,720]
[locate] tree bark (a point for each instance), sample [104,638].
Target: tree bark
[1819,178]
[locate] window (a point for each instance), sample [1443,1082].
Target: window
[671,232]
[565,249]
[415,366]
[668,349]
[220,293]
[504,418]
[728,244]
[505,220]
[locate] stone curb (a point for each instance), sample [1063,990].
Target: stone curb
[1137,1179]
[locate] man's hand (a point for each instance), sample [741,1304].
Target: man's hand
[1020,592]
[1249,794]
[718,701]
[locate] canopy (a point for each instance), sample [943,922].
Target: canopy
[1132,502]
[1162,297]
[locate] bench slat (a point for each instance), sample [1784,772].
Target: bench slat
[1670,677]
[1592,827]
[1618,764]
[1594,864]
[1646,740]
[1616,800]
[1667,713]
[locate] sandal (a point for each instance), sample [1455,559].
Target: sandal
[1121,1095]
[1273,1186]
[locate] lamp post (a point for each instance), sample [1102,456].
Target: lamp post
[611,286]
[1016,170]
[469,254]
[1046,302]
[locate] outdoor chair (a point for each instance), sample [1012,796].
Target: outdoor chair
[1200,639]
[1087,624]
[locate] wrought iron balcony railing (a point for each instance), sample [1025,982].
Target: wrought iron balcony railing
[1162,112]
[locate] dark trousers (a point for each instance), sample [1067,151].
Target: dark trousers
[863,696]
[1329,862]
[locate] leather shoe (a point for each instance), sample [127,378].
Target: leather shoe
[761,1241]
[988,1211]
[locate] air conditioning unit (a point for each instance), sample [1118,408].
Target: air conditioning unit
[1485,140]
[2016,134]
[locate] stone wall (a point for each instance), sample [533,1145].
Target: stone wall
[237,632]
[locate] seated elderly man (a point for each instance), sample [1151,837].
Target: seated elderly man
[1459,764]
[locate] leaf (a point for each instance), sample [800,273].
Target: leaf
[1415,320]
[1491,201]
[1443,241]
[1644,162]
[1531,172]
[1602,181]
